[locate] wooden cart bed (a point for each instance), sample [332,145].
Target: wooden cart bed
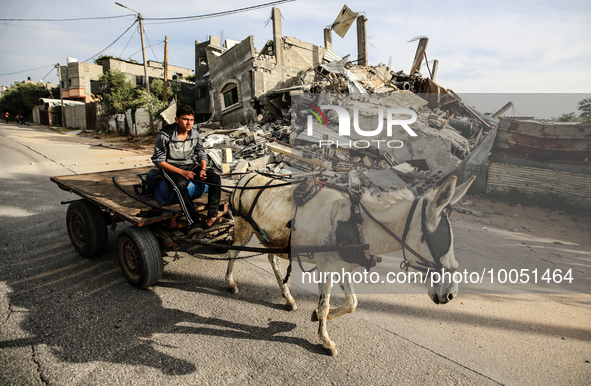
[100,189]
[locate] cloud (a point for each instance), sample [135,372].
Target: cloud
[481,45]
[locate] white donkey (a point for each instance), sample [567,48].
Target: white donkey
[428,234]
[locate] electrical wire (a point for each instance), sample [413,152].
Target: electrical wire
[129,41]
[50,71]
[32,69]
[214,14]
[29,26]
[76,19]
[115,41]
[140,50]
[150,45]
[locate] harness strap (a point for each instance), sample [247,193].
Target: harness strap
[426,235]
[240,196]
[404,245]
[256,199]
[409,217]
[424,261]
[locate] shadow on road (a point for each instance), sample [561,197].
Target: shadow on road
[84,310]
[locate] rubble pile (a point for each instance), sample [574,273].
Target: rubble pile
[448,131]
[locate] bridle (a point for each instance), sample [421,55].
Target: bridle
[439,242]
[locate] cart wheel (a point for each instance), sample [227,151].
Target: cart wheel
[87,228]
[139,256]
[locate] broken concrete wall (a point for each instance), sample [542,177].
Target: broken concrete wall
[252,74]
[232,71]
[298,56]
[141,125]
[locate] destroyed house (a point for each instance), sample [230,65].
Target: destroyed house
[235,82]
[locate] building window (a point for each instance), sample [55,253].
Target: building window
[202,92]
[202,61]
[230,94]
[139,80]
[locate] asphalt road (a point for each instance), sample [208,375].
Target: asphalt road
[67,320]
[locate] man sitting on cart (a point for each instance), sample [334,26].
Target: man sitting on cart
[176,148]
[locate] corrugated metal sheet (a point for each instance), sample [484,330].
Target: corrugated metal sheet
[544,142]
[540,158]
[476,163]
[573,187]
[343,21]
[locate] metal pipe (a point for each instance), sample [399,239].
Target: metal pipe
[402,85]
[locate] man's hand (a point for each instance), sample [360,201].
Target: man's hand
[202,174]
[187,174]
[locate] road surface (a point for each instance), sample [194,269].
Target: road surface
[68,320]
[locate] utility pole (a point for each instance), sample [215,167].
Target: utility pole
[140,19]
[59,79]
[146,79]
[164,96]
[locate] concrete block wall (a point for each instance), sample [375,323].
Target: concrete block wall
[235,64]
[75,116]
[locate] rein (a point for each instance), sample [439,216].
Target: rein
[402,242]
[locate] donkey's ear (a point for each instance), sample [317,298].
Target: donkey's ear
[461,190]
[444,195]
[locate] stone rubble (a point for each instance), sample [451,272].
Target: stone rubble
[271,144]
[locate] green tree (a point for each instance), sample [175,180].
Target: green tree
[157,89]
[585,109]
[118,93]
[567,117]
[55,92]
[20,98]
[153,104]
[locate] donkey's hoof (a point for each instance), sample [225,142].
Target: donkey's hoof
[332,351]
[291,306]
[314,317]
[233,289]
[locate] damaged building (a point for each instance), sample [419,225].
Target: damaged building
[235,79]
[253,105]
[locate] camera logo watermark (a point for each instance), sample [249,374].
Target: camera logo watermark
[345,121]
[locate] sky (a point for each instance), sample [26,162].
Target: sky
[483,47]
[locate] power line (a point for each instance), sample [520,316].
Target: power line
[50,71]
[140,50]
[115,41]
[75,19]
[215,14]
[55,29]
[129,41]
[150,45]
[32,69]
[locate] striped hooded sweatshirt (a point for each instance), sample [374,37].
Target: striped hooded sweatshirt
[178,153]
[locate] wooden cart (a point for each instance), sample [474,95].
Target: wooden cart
[153,231]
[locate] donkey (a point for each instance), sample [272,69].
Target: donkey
[423,222]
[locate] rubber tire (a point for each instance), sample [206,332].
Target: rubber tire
[139,256]
[87,228]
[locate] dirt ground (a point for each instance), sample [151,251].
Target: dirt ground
[559,224]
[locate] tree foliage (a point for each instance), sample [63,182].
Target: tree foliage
[567,117]
[20,98]
[118,93]
[99,60]
[585,109]
[157,89]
